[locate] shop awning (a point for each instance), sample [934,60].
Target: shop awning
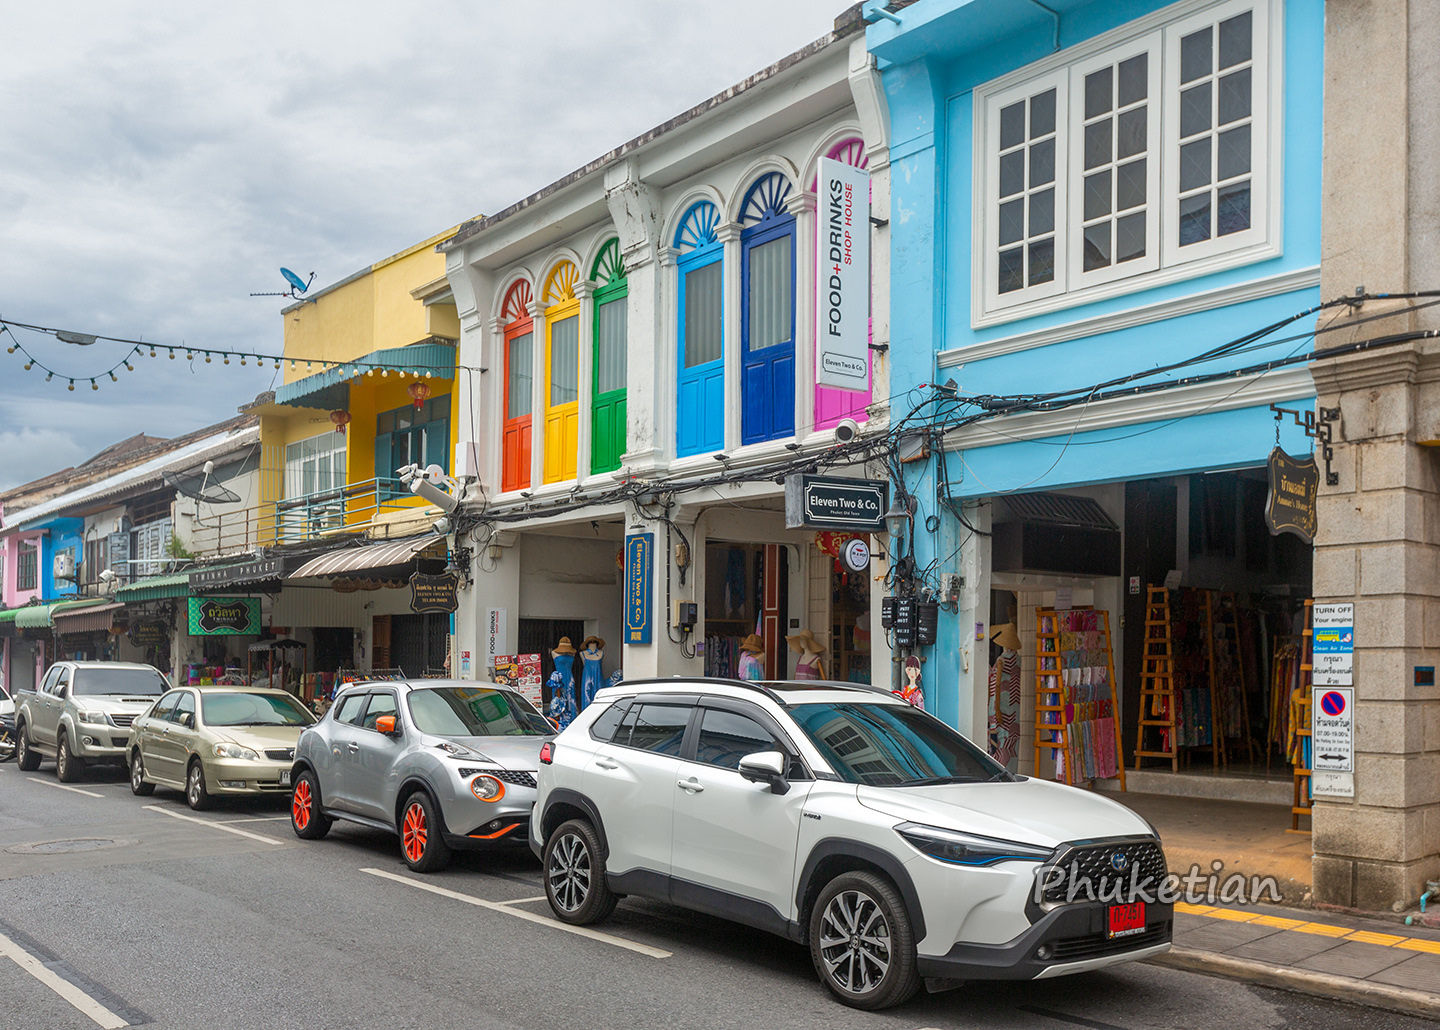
[257,570]
[7,622]
[371,556]
[155,588]
[327,389]
[41,616]
[86,619]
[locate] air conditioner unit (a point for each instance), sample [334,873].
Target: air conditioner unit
[64,565]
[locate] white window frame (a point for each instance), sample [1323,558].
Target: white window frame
[1165,261]
[294,474]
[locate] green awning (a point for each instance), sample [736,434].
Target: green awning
[8,615]
[155,588]
[40,616]
[329,389]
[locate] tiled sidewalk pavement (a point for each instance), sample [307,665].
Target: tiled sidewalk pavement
[1367,961]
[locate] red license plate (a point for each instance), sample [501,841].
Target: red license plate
[1126,920]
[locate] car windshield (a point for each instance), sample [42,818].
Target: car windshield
[242,708]
[889,745]
[131,682]
[475,712]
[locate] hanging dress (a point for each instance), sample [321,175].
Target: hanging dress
[591,678]
[752,666]
[562,690]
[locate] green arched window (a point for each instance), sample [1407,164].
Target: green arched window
[607,416]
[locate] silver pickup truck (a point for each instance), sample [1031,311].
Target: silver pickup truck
[81,713]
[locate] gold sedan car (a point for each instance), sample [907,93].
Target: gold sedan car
[209,741]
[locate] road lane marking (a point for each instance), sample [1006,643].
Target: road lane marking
[523,901]
[520,913]
[73,790]
[74,995]
[212,824]
[260,819]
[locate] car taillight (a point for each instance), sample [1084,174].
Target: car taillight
[547,753]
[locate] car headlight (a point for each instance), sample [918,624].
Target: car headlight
[235,751]
[966,848]
[487,788]
[455,750]
[95,718]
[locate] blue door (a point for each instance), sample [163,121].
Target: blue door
[700,394]
[767,336]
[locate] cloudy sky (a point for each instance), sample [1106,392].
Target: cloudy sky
[163,160]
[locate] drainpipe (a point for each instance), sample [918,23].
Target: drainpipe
[1054,15]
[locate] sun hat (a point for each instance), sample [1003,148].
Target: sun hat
[599,643]
[753,644]
[805,641]
[564,647]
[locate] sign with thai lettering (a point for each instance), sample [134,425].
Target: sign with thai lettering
[148,634]
[1332,742]
[842,276]
[825,502]
[1290,506]
[1332,645]
[639,568]
[436,594]
[224,616]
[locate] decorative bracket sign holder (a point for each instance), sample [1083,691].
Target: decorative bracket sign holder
[1316,429]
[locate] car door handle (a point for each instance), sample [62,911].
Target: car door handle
[606,763]
[692,785]
[353,747]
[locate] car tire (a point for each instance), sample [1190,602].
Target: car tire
[306,817]
[862,943]
[196,796]
[575,883]
[7,745]
[422,838]
[68,768]
[25,755]
[139,786]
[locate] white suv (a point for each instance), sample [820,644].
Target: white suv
[842,817]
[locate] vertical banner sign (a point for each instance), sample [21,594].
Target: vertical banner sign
[497,640]
[639,567]
[842,276]
[1333,645]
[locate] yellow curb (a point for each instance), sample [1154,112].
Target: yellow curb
[1368,937]
[1415,944]
[1277,922]
[1322,929]
[1232,915]
[1185,908]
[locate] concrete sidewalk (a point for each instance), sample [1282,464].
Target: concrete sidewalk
[1361,961]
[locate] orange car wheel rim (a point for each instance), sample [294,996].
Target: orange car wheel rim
[300,806]
[414,833]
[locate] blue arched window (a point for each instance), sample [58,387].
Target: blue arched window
[700,398]
[767,336]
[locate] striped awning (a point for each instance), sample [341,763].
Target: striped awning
[89,619]
[41,616]
[371,556]
[155,588]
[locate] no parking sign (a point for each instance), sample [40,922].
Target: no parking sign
[1332,740]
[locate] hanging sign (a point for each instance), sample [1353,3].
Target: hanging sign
[842,276]
[1290,506]
[1333,645]
[497,637]
[148,634]
[224,616]
[437,594]
[639,567]
[857,554]
[827,502]
[1332,742]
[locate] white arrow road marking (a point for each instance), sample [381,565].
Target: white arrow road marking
[73,790]
[74,995]
[519,913]
[212,824]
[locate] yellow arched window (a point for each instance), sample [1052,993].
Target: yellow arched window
[562,372]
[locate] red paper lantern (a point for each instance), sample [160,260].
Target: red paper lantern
[341,419]
[418,392]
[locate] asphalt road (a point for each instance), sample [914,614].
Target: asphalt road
[230,921]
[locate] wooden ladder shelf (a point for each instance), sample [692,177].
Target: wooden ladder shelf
[1158,699]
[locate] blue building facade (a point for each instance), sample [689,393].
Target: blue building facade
[1095,215]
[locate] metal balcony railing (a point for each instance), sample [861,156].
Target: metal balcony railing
[297,519]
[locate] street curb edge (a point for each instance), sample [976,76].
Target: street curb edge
[1356,992]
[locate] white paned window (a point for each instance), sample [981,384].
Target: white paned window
[704,339]
[565,361]
[610,354]
[771,296]
[1138,158]
[518,394]
[315,465]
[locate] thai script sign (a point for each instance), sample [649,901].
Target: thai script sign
[224,616]
[1290,507]
[1333,644]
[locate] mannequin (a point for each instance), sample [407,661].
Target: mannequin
[1004,735]
[591,678]
[811,651]
[752,658]
[912,690]
[562,684]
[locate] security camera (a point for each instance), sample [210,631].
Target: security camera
[441,526]
[846,429]
[106,576]
[446,502]
[209,467]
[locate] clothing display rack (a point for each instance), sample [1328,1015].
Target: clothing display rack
[1300,745]
[1158,702]
[1228,670]
[1075,708]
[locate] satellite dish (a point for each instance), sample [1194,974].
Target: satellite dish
[295,281]
[196,488]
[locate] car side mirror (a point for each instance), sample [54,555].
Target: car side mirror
[766,767]
[386,725]
[188,721]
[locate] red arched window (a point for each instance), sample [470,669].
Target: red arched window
[519,392]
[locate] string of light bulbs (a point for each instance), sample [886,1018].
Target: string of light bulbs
[140,349]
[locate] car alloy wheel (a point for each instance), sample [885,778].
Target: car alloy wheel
[195,793]
[422,839]
[575,883]
[300,805]
[137,776]
[26,756]
[569,872]
[415,832]
[307,816]
[861,942]
[68,768]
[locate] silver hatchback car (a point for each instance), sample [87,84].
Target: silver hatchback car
[446,764]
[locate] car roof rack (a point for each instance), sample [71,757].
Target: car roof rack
[761,687]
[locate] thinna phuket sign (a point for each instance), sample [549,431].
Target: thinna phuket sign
[842,276]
